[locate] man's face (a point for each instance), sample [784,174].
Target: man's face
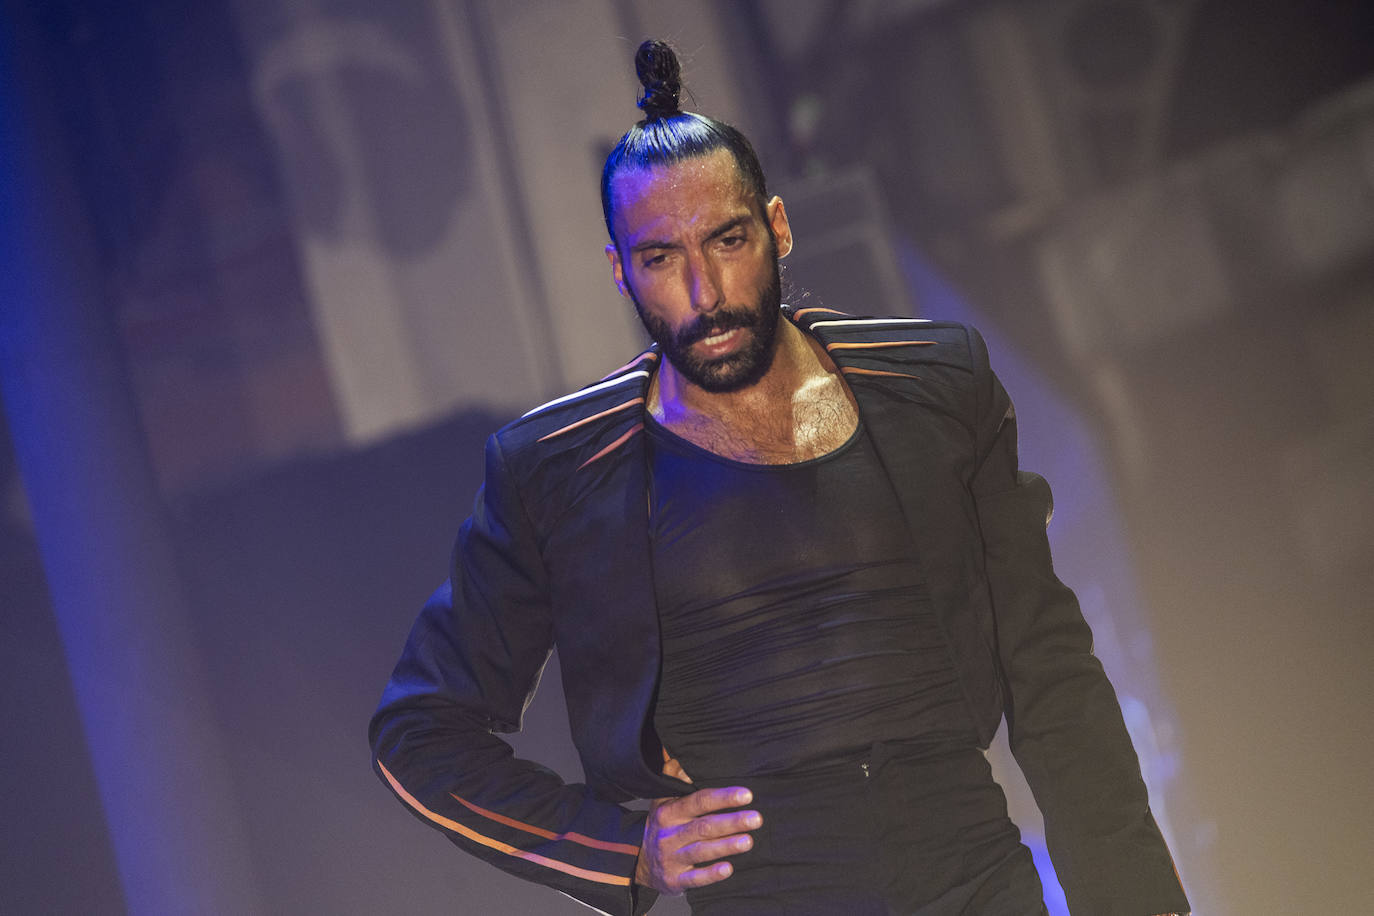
[700,262]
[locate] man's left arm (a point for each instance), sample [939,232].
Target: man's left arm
[1064,722]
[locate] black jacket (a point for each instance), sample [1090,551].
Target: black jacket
[556,553]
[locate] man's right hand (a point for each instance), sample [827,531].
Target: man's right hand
[684,833]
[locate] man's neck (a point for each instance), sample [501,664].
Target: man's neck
[801,408]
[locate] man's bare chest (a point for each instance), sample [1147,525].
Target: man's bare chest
[814,423]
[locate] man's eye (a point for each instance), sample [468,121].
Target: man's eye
[655,260]
[732,241]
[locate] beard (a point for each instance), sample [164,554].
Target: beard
[729,373]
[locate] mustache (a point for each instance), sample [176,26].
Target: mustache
[717,323]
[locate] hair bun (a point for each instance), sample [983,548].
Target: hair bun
[658,70]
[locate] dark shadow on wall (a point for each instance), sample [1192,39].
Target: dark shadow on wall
[304,582]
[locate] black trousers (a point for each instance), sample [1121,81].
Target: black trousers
[908,830]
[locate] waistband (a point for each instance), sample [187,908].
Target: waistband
[860,763]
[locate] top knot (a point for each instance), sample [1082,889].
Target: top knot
[658,70]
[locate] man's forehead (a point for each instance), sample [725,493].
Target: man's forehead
[700,183]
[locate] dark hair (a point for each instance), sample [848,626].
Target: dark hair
[668,135]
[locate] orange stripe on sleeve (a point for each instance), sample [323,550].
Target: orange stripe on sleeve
[578,838]
[572,426]
[600,877]
[625,437]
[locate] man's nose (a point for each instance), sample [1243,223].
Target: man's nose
[705,286]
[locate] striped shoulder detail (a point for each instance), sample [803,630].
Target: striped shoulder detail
[577,424]
[619,441]
[644,360]
[872,331]
[869,322]
[580,429]
[588,391]
[821,325]
[798,313]
[861,331]
[636,370]
[856,370]
[598,877]
[877,344]
[889,349]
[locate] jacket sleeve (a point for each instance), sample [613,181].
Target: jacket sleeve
[1063,719]
[469,669]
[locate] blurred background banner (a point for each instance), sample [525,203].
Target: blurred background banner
[273,269]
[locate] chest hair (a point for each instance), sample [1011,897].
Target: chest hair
[818,420]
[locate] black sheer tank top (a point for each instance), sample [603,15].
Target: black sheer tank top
[796,628]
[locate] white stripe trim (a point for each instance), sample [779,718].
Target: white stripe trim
[851,322]
[609,383]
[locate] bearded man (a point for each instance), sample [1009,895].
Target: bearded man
[795,580]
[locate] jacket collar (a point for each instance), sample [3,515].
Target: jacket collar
[873,356]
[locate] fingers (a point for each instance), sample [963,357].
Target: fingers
[686,838]
[705,801]
[714,849]
[717,826]
[700,877]
[682,872]
[692,819]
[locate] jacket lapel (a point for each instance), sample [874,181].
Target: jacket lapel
[607,612]
[916,403]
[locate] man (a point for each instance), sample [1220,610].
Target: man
[795,580]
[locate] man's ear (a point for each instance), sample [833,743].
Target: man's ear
[778,225]
[617,268]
